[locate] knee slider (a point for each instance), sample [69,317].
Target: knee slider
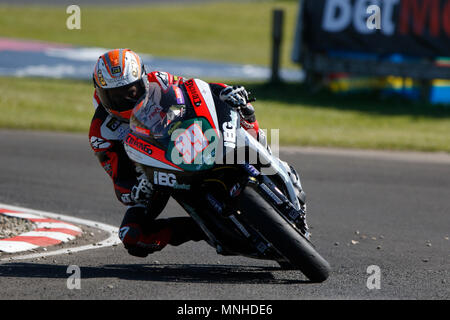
[130,234]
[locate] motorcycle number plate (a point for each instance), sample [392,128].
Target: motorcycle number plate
[192,145]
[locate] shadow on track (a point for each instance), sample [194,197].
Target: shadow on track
[194,273]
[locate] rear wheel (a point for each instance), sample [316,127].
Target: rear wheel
[288,241]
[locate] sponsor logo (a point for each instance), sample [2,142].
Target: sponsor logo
[142,131]
[126,198]
[123,232]
[229,134]
[100,77]
[393,17]
[123,132]
[138,144]
[115,70]
[271,194]
[134,69]
[168,180]
[236,190]
[195,97]
[182,186]
[113,124]
[179,95]
[99,143]
[114,129]
[164,179]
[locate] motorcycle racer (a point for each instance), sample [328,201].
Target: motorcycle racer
[120,80]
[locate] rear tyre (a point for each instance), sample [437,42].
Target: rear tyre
[289,242]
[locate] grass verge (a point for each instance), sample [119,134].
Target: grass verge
[43,104]
[357,121]
[237,32]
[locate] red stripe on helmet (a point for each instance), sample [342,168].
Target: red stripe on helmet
[113,57]
[106,64]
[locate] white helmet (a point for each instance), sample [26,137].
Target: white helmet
[120,81]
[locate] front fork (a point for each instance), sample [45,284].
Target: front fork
[272,194]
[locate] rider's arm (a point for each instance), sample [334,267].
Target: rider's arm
[164,79]
[112,156]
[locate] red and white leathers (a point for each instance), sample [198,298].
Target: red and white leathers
[140,232]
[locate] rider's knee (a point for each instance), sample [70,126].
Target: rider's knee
[139,243]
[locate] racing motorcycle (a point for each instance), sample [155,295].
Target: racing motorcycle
[190,143]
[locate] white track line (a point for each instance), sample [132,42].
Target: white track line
[53,225]
[21,215]
[64,237]
[12,246]
[113,238]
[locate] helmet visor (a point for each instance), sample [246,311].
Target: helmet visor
[121,98]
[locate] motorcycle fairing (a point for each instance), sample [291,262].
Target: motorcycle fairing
[203,102]
[191,144]
[147,154]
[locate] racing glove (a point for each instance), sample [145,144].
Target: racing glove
[142,190]
[235,96]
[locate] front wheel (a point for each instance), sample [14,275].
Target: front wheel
[288,241]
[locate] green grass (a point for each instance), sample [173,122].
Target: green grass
[234,32]
[303,118]
[42,104]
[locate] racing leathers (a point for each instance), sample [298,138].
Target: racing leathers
[140,231]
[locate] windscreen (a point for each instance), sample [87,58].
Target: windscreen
[158,111]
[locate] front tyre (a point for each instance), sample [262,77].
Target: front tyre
[288,241]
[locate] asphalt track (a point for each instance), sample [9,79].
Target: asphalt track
[395,209]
